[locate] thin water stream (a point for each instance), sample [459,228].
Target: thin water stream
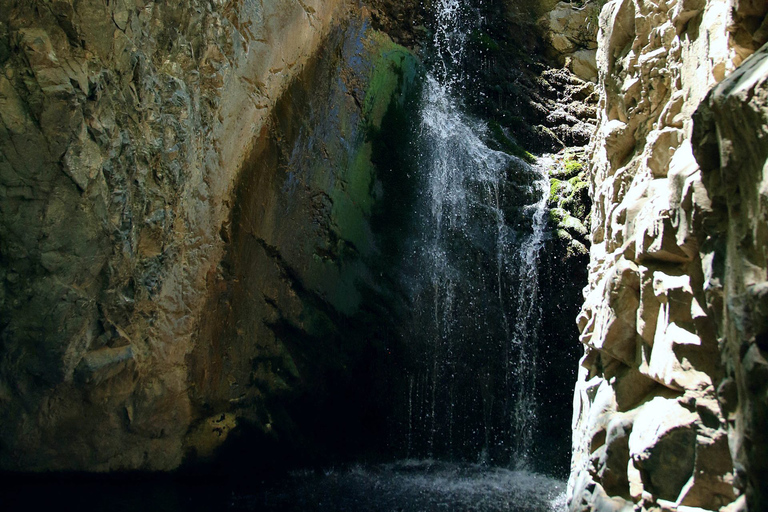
[470,269]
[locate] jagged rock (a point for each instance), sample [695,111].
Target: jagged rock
[729,141]
[663,446]
[661,146]
[611,328]
[126,130]
[567,27]
[648,310]
[673,216]
[614,456]
[632,386]
[667,366]
[571,33]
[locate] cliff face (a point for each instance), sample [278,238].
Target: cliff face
[297,334]
[673,317]
[130,130]
[202,206]
[731,146]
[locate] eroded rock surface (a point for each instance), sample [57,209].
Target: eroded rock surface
[731,145]
[571,31]
[655,403]
[128,131]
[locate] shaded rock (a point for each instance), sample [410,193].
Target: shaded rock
[126,130]
[729,141]
[663,447]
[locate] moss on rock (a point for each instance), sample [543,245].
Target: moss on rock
[569,201]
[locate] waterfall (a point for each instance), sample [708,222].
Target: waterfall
[472,273]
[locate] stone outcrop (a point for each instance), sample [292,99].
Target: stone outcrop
[129,131]
[731,146]
[200,202]
[655,404]
[511,82]
[298,330]
[571,31]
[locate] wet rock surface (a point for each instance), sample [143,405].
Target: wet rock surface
[297,337]
[194,248]
[517,87]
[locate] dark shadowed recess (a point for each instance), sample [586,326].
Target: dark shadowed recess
[318,349]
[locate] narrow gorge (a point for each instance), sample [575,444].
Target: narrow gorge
[492,255]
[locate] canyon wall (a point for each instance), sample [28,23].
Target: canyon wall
[203,212]
[129,130]
[730,142]
[670,404]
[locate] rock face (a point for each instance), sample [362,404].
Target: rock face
[733,156]
[200,202]
[571,32]
[672,317]
[131,132]
[295,338]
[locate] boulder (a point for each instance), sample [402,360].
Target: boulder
[662,446]
[583,63]
[571,32]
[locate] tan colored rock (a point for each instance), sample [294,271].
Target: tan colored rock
[648,310]
[666,366]
[660,148]
[614,456]
[654,205]
[663,446]
[568,27]
[571,32]
[612,327]
[583,63]
[125,126]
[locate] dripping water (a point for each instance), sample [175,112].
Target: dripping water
[474,274]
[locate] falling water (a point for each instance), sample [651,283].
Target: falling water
[474,275]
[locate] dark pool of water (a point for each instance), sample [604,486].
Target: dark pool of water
[411,486]
[406,486]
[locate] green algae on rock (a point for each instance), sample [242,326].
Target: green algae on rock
[298,297]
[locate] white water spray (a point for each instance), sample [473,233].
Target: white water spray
[466,201]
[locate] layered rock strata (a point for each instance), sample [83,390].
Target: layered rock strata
[671,286]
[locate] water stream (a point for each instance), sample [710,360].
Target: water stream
[472,273]
[470,270]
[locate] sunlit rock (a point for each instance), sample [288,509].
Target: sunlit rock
[682,221]
[663,446]
[570,31]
